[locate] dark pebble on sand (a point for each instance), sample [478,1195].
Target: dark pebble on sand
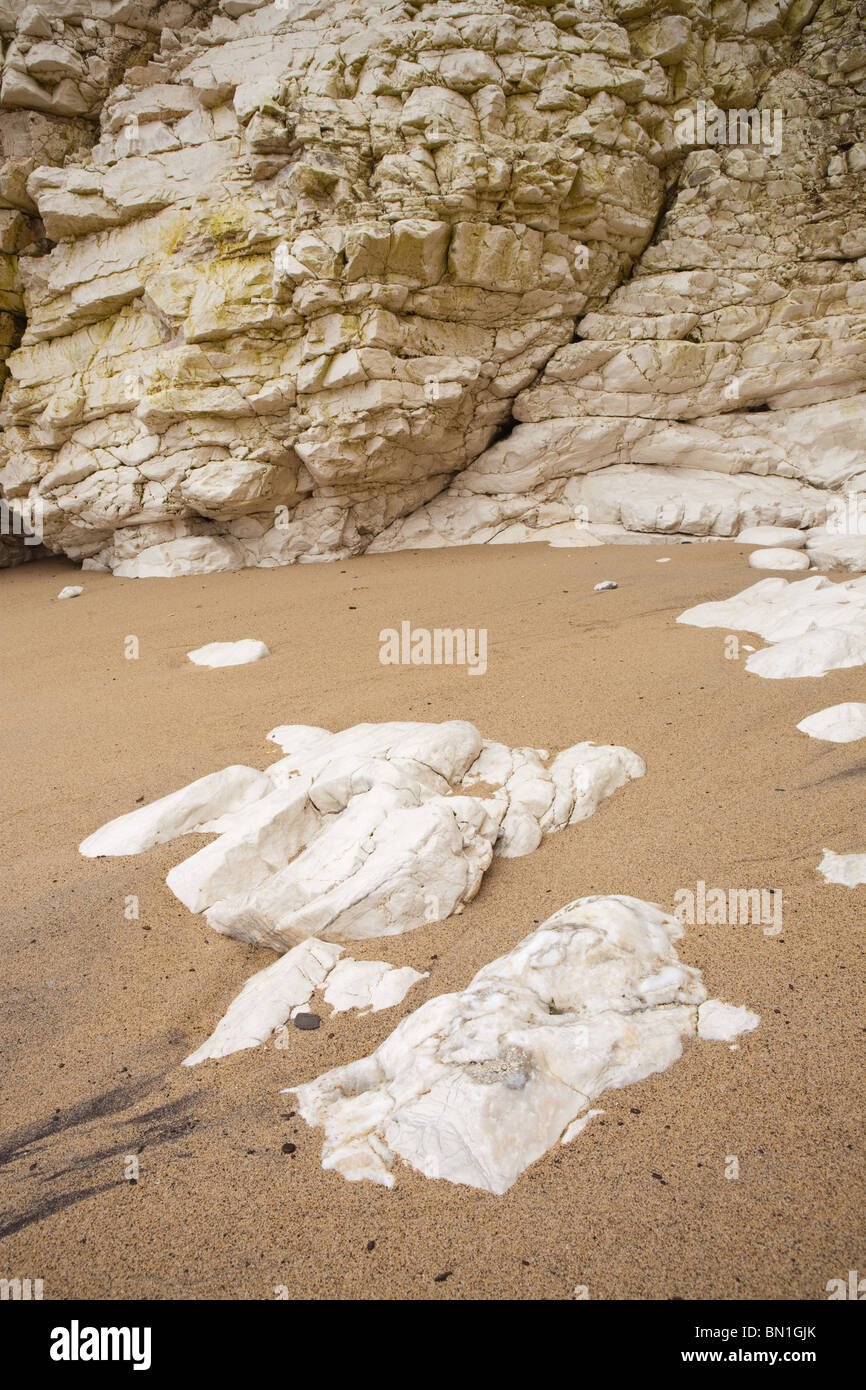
[307,1020]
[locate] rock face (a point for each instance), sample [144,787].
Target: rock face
[293,281]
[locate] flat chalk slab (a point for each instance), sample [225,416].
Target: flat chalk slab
[788,536]
[847,869]
[229,653]
[779,558]
[837,723]
[813,624]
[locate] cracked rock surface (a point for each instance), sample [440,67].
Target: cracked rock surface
[475,1086]
[368,832]
[283,283]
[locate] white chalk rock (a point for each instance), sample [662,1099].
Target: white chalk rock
[723,1022]
[543,796]
[847,869]
[368,985]
[814,625]
[365,832]
[71,591]
[837,724]
[789,537]
[778,558]
[229,653]
[273,996]
[474,1086]
[383,866]
[185,556]
[828,550]
[179,813]
[268,998]
[253,844]
[369,832]
[813,654]
[605,584]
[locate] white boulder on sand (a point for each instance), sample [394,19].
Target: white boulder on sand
[229,653]
[475,1086]
[269,998]
[367,832]
[847,869]
[814,625]
[778,558]
[836,724]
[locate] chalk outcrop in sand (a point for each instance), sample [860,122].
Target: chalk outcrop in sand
[364,833]
[229,653]
[837,724]
[276,993]
[291,282]
[847,869]
[475,1086]
[813,625]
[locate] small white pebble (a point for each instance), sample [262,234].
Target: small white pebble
[665,560]
[605,584]
[71,591]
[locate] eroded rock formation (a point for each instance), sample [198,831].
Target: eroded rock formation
[368,832]
[472,1087]
[294,281]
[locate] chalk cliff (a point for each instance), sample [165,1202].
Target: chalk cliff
[297,281]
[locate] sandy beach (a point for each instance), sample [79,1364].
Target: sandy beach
[231,1202]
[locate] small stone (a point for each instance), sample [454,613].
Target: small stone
[307,1021]
[605,584]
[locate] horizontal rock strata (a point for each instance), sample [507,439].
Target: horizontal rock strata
[294,281]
